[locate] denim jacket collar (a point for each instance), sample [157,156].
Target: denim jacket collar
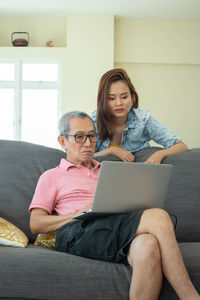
[132,120]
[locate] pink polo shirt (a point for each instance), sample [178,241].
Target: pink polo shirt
[66,188]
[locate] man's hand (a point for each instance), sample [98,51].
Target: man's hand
[124,155]
[86,208]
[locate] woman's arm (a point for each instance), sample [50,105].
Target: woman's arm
[104,152]
[123,154]
[158,156]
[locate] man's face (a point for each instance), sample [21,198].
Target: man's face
[79,153]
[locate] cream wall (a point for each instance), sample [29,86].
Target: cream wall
[163,61]
[89,52]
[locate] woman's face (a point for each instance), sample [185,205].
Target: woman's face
[119,100]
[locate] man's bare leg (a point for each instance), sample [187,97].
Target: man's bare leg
[158,223]
[144,257]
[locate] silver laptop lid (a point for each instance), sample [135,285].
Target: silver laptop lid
[124,187]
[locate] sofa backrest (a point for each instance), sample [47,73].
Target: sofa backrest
[21,164]
[183,198]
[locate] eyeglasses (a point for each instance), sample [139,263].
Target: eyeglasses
[81,137]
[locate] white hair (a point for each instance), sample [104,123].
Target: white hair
[63,125]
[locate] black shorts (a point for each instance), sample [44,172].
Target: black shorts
[103,238]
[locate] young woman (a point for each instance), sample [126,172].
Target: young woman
[122,128]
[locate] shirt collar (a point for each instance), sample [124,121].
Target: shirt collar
[131,122]
[65,164]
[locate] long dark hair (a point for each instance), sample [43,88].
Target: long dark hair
[103,115]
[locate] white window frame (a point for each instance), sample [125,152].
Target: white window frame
[18,85]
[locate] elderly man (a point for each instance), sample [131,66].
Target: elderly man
[144,239]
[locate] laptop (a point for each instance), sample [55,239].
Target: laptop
[124,187]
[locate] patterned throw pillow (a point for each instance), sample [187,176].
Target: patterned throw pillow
[10,235]
[46,240]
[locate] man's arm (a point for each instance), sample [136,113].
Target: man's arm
[42,222]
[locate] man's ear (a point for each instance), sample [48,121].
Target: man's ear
[62,141]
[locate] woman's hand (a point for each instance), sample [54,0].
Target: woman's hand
[155,158]
[124,155]
[158,156]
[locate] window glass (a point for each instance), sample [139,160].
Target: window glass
[7,71]
[39,116]
[29,101]
[6,113]
[39,72]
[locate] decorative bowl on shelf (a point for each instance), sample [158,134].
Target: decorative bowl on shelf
[19,41]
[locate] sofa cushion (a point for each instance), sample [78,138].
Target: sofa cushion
[21,164]
[69,276]
[183,197]
[10,235]
[73,277]
[191,257]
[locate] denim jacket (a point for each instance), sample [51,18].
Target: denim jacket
[140,129]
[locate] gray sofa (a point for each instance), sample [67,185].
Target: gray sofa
[42,273]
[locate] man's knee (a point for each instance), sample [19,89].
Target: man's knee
[158,213]
[161,218]
[155,219]
[144,249]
